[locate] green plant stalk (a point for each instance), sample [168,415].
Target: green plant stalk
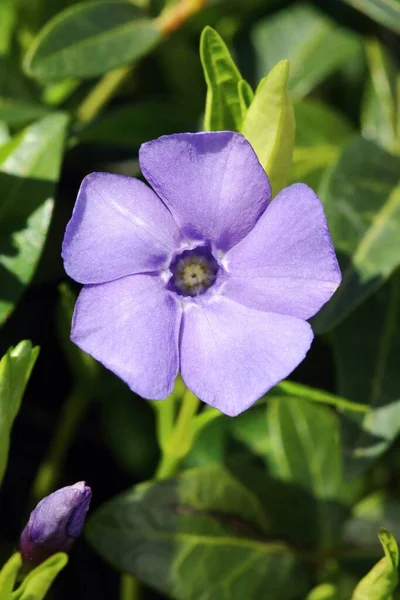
[102,93]
[72,413]
[181,437]
[129,587]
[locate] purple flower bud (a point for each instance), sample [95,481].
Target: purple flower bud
[55,523]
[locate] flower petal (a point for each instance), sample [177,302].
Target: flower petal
[118,227]
[287,263]
[132,327]
[231,355]
[212,182]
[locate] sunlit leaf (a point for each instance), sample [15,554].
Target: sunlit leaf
[320,133]
[8,576]
[269,125]
[304,451]
[386,12]
[18,113]
[362,203]
[314,44]
[89,39]
[15,369]
[202,533]
[381,581]
[224,108]
[380,114]
[37,583]
[29,168]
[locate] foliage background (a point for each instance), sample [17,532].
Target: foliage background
[344,84]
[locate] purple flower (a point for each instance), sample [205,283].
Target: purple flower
[201,274]
[55,523]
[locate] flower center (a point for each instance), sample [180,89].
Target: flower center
[193,271]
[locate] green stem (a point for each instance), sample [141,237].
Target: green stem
[180,438]
[129,587]
[72,413]
[167,466]
[102,93]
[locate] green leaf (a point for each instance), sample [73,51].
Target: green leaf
[202,533]
[89,39]
[210,444]
[8,576]
[269,125]
[132,125]
[386,12]
[314,44]
[362,205]
[246,96]
[367,346]
[224,105]
[15,369]
[379,117]
[304,451]
[29,168]
[250,428]
[17,112]
[382,580]
[4,133]
[320,132]
[374,511]
[325,591]
[37,583]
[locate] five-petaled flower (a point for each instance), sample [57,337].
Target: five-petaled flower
[201,274]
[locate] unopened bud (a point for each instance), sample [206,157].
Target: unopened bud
[55,523]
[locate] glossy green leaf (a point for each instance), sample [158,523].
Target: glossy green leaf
[269,125]
[314,44]
[8,576]
[89,39]
[29,168]
[362,205]
[386,12]
[17,113]
[37,583]
[202,533]
[224,109]
[382,580]
[15,369]
[304,451]
[380,114]
[367,347]
[320,132]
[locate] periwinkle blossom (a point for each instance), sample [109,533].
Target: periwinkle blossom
[201,274]
[55,523]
